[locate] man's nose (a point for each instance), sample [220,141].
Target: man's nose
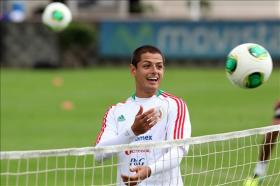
[154,68]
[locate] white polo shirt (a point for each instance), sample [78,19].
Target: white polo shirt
[174,124]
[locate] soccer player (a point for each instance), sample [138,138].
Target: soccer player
[148,115]
[265,151]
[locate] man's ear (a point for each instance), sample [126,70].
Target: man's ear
[132,69]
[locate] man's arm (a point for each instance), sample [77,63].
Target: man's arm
[270,137]
[169,160]
[268,144]
[143,122]
[109,134]
[112,139]
[178,127]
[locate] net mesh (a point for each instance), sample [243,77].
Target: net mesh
[220,159]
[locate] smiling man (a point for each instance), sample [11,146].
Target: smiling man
[149,115]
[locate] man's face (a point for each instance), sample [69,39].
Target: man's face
[148,74]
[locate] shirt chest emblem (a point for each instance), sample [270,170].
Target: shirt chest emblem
[121,118]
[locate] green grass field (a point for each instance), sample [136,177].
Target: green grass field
[32,117]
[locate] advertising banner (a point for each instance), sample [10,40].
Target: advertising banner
[183,39]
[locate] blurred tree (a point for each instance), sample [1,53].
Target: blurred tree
[135,6]
[77,41]
[61,1]
[203,3]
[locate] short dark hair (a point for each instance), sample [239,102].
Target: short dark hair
[136,56]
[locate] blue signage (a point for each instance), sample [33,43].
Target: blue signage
[183,39]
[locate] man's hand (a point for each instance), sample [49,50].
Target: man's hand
[144,121]
[142,172]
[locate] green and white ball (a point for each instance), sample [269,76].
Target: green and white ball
[248,65]
[57,16]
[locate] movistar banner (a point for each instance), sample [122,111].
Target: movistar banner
[182,39]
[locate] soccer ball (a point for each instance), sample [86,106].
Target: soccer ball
[248,65]
[57,16]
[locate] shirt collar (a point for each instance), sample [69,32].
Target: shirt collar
[158,93]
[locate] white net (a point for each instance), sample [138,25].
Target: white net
[220,159]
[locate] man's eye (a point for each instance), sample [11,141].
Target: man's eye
[160,67]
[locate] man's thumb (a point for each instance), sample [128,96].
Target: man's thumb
[140,110]
[134,169]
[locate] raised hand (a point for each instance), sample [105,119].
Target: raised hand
[144,121]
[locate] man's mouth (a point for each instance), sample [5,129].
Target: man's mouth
[153,79]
